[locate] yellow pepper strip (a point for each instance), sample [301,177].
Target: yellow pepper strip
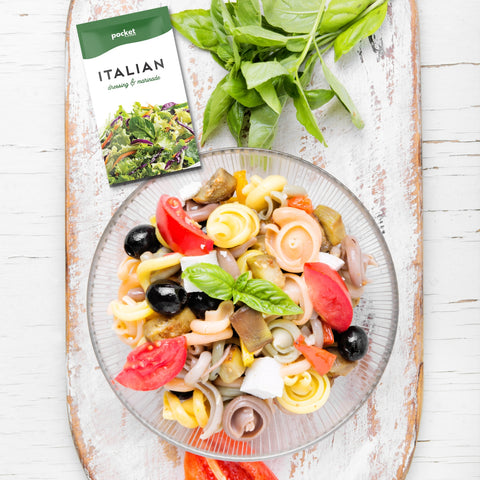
[247,357]
[154,264]
[175,409]
[199,409]
[241,176]
[130,313]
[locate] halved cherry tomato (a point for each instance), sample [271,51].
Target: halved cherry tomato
[180,232]
[302,202]
[201,468]
[321,360]
[152,365]
[329,295]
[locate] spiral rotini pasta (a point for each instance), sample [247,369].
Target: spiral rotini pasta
[169,263]
[214,328]
[232,224]
[284,334]
[259,188]
[294,239]
[305,393]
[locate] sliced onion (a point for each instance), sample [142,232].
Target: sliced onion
[216,409]
[317,330]
[227,261]
[199,369]
[241,249]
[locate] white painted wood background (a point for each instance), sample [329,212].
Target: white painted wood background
[35,440]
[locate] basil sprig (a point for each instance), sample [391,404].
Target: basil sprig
[261,295]
[269,49]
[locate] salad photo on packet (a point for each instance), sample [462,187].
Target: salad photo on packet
[138,95]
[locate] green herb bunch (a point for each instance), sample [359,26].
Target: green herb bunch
[269,50]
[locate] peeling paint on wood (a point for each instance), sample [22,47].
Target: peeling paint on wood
[381,164]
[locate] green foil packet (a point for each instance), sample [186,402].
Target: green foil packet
[138,95]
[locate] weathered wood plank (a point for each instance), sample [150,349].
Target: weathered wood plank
[381,164]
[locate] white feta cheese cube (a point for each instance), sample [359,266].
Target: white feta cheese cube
[331,260]
[263,379]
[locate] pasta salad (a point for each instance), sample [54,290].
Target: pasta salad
[237,299]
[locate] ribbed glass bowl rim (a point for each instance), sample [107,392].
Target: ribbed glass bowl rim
[388,348]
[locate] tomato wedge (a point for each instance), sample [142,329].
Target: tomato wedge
[180,232]
[329,295]
[201,468]
[152,365]
[321,360]
[301,202]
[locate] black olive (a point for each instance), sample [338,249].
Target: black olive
[141,239]
[200,302]
[165,297]
[353,343]
[182,395]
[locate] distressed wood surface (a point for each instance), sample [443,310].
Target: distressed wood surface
[35,443]
[375,444]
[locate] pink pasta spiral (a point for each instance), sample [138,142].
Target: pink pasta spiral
[294,238]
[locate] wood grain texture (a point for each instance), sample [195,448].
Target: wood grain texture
[382,75]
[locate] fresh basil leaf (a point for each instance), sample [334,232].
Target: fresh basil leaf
[236,87]
[257,73]
[141,127]
[296,44]
[248,12]
[263,125]
[235,121]
[265,297]
[365,27]
[196,25]
[217,107]
[270,97]
[294,16]
[259,36]
[241,281]
[305,115]
[342,95]
[211,279]
[341,12]
[317,98]
[308,70]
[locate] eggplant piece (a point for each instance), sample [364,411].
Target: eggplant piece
[221,186]
[340,367]
[168,327]
[251,328]
[332,223]
[266,268]
[232,367]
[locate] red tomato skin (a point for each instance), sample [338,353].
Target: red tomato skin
[329,295]
[152,365]
[180,232]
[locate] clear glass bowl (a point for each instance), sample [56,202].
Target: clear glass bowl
[377,311]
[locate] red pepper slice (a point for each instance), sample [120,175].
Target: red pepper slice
[328,338]
[329,295]
[321,360]
[152,365]
[301,202]
[201,468]
[180,232]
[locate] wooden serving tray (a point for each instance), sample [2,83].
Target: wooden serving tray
[381,164]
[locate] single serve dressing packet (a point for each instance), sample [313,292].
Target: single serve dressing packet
[138,95]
